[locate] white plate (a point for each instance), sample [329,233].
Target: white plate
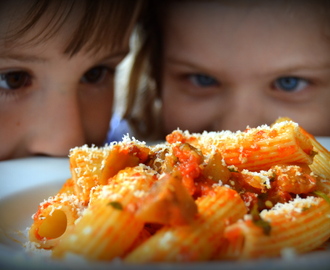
[24,183]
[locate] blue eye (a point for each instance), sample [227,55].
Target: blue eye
[15,80]
[290,84]
[202,80]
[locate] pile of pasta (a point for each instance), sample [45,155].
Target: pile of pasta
[196,197]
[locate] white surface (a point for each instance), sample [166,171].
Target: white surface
[24,183]
[325,141]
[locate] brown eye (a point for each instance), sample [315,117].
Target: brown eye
[15,80]
[95,75]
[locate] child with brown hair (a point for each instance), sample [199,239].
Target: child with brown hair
[223,64]
[57,65]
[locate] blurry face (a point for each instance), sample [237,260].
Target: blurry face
[227,67]
[49,102]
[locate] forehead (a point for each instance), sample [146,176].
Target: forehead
[218,26]
[225,16]
[288,8]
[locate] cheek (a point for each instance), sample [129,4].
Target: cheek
[172,115]
[14,129]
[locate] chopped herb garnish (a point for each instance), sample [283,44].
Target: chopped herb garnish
[265,225]
[322,195]
[258,221]
[232,169]
[116,205]
[272,178]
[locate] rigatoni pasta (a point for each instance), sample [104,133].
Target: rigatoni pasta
[54,218]
[301,225]
[108,226]
[255,148]
[200,239]
[196,197]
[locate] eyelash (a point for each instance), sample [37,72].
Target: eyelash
[290,84]
[105,70]
[23,83]
[23,79]
[19,77]
[202,80]
[293,84]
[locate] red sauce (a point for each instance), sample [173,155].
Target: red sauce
[175,136]
[40,209]
[189,165]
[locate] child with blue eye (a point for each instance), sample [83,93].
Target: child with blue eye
[228,64]
[57,65]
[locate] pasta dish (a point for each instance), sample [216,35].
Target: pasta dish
[210,196]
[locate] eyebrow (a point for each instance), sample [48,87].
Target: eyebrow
[178,61]
[299,69]
[189,64]
[320,66]
[23,58]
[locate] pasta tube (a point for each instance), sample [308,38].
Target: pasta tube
[321,161]
[301,225]
[68,187]
[92,166]
[87,165]
[256,148]
[108,227]
[198,240]
[54,219]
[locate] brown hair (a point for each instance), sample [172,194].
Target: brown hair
[102,23]
[143,112]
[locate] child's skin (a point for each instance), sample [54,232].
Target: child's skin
[229,64]
[51,101]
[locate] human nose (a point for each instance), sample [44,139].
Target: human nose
[243,109]
[58,127]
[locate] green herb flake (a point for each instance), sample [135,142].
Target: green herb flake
[258,221]
[232,169]
[322,195]
[116,205]
[272,178]
[265,225]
